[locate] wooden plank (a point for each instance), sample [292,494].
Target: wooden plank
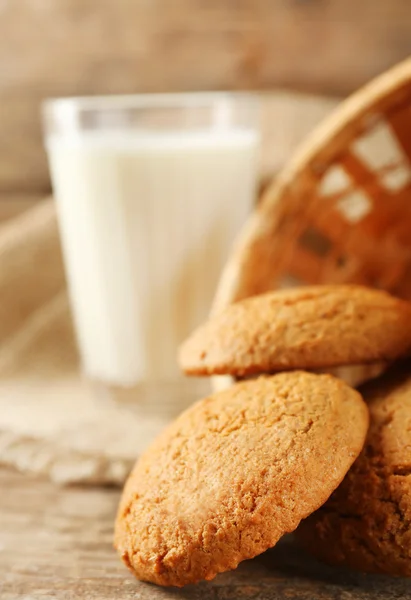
[332,46]
[56,543]
[77,47]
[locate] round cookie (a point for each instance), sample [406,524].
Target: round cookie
[235,472]
[366,524]
[302,328]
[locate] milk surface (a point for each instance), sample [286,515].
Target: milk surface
[147,222]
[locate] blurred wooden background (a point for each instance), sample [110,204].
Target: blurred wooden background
[68,47]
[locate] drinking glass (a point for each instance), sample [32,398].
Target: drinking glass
[150,192]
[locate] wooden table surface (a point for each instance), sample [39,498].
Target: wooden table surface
[55,544]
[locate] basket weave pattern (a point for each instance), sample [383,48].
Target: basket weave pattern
[341,210]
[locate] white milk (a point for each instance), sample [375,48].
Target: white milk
[147,224]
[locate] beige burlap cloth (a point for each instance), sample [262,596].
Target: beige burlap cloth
[51,421]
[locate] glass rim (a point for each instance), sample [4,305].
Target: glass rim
[149,100]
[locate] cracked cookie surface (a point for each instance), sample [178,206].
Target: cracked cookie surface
[235,472]
[303,328]
[366,524]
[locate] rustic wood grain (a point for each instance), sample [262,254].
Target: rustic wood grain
[55,543]
[331,46]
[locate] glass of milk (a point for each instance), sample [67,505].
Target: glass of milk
[150,191]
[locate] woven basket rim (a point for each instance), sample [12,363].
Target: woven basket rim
[346,113]
[312,154]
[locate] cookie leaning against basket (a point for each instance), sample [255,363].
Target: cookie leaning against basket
[235,472]
[306,328]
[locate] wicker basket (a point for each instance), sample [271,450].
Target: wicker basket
[341,210]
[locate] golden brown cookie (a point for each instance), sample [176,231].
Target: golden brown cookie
[366,524]
[304,328]
[235,472]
